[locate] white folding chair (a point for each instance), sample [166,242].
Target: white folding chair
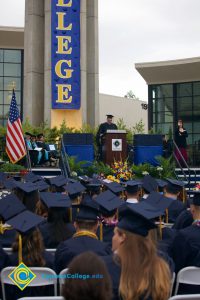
[8,250]
[61,278]
[188,275]
[44,277]
[172,282]
[52,251]
[42,298]
[186,297]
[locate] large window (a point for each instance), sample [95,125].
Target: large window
[170,102]
[11,74]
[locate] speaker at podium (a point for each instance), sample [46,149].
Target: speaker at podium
[147,147]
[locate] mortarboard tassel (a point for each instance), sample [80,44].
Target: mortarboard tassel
[167,215]
[20,249]
[101,231]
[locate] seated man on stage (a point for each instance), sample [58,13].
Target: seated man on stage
[108,125]
[48,154]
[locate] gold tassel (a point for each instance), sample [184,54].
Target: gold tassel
[101,231]
[1,228]
[20,249]
[167,215]
[160,227]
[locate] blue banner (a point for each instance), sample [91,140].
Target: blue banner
[65,54]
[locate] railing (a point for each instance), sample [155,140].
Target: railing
[64,163]
[185,165]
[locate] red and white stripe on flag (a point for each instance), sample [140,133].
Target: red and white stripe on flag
[15,144]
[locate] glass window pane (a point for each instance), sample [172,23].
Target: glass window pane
[1,83]
[9,81]
[1,55]
[196,88]
[1,69]
[196,103]
[12,56]
[1,97]
[163,104]
[164,90]
[188,127]
[6,109]
[1,111]
[184,103]
[163,117]
[196,138]
[196,127]
[184,89]
[163,128]
[8,97]
[186,116]
[12,69]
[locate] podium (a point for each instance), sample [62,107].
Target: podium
[114,146]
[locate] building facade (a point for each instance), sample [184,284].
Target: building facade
[173,94]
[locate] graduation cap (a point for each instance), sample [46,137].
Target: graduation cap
[42,185]
[74,189]
[25,222]
[108,202]
[55,200]
[28,133]
[115,187]
[10,206]
[159,201]
[149,184]
[31,177]
[196,199]
[110,116]
[135,223]
[161,183]
[178,184]
[88,210]
[27,187]
[145,209]
[40,135]
[132,186]
[9,183]
[58,181]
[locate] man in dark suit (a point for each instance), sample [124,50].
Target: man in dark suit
[85,238]
[108,125]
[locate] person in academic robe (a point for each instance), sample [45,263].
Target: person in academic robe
[109,204]
[181,142]
[108,125]
[85,238]
[29,249]
[141,265]
[57,228]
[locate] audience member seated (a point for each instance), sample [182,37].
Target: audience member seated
[144,274]
[32,253]
[58,227]
[97,284]
[186,244]
[85,238]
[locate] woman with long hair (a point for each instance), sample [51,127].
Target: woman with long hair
[93,283]
[180,139]
[144,274]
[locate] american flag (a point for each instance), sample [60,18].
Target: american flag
[15,144]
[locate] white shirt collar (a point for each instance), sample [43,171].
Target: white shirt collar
[132,200]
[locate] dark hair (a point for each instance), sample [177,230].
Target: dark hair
[58,219]
[172,189]
[32,248]
[86,224]
[87,264]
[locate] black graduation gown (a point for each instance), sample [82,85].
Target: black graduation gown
[14,293]
[48,239]
[4,259]
[70,248]
[102,130]
[184,220]
[108,232]
[114,271]
[8,238]
[174,210]
[186,247]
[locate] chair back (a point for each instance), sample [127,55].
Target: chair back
[62,277]
[188,275]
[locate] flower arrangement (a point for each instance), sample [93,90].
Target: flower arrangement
[121,172]
[197,187]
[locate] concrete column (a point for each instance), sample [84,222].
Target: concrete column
[33,105]
[92,63]
[47,63]
[83,37]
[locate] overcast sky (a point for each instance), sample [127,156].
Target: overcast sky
[132,31]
